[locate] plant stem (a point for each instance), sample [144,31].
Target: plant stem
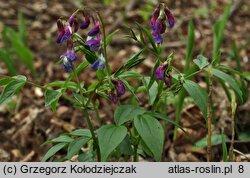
[231,149]
[135,158]
[209,118]
[90,125]
[160,88]
[95,139]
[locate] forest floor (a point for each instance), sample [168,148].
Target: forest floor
[29,124]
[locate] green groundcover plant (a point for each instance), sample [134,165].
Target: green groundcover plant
[135,130]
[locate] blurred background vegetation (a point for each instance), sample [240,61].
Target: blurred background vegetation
[28,47]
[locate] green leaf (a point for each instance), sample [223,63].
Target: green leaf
[53,150]
[216,139]
[218,35]
[79,69]
[224,147]
[4,81]
[152,76]
[128,87]
[201,61]
[166,118]
[152,92]
[86,156]
[5,56]
[23,52]
[12,88]
[110,36]
[69,84]
[52,97]
[190,46]
[62,138]
[151,133]
[81,132]
[150,37]
[198,94]
[132,61]
[130,74]
[76,145]
[90,56]
[126,113]
[109,137]
[132,35]
[230,80]
[125,146]
[245,136]
[21,27]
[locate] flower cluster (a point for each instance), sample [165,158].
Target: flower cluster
[118,91]
[93,41]
[158,22]
[163,73]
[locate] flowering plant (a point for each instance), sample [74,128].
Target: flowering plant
[136,130]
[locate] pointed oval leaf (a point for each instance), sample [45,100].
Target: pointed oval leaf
[126,113]
[12,88]
[76,145]
[53,150]
[230,80]
[198,94]
[151,133]
[201,61]
[109,137]
[81,132]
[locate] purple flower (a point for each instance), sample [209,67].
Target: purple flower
[76,26]
[61,30]
[85,23]
[159,72]
[63,34]
[113,97]
[120,88]
[99,64]
[154,16]
[158,38]
[67,65]
[170,17]
[158,22]
[160,26]
[95,30]
[94,44]
[71,55]
[72,20]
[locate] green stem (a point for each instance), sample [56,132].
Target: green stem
[90,125]
[135,158]
[160,88]
[95,139]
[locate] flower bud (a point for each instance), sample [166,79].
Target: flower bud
[113,97]
[120,88]
[168,80]
[155,16]
[159,72]
[170,17]
[72,20]
[85,23]
[61,31]
[160,26]
[95,30]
